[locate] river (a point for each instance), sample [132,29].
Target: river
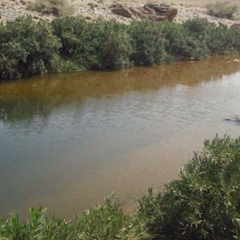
[69,140]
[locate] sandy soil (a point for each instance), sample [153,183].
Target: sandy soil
[91,9]
[186,8]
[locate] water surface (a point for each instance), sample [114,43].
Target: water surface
[68,140]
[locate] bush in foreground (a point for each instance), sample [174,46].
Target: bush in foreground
[204,203]
[107,222]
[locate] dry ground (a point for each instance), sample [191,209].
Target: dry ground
[91,9]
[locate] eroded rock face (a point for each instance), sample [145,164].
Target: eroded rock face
[153,12]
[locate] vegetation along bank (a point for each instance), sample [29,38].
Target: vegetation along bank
[203,203]
[66,44]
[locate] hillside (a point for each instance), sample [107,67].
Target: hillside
[91,9]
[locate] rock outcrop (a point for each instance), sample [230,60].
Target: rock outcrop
[153,12]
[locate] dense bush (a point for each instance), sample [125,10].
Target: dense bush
[95,45]
[107,45]
[26,47]
[216,39]
[148,43]
[204,203]
[182,44]
[72,44]
[222,10]
[71,31]
[106,222]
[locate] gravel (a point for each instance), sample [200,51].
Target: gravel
[92,9]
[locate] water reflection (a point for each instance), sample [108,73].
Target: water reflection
[40,95]
[67,140]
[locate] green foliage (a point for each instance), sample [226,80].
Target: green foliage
[72,44]
[106,222]
[26,47]
[204,203]
[148,43]
[109,222]
[55,7]
[71,31]
[96,45]
[222,10]
[183,44]
[39,226]
[107,45]
[217,40]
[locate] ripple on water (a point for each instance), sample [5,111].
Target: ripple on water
[68,140]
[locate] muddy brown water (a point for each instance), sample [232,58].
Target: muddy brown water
[68,140]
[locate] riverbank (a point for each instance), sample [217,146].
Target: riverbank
[68,44]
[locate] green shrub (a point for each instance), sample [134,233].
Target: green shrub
[222,10]
[107,45]
[204,203]
[38,226]
[223,40]
[199,28]
[148,43]
[71,32]
[234,39]
[106,222]
[96,45]
[55,7]
[26,47]
[72,44]
[217,40]
[182,44]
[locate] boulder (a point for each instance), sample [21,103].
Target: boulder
[122,10]
[153,12]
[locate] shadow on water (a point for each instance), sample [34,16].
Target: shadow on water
[68,140]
